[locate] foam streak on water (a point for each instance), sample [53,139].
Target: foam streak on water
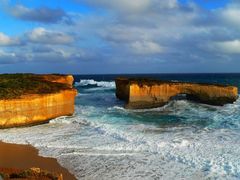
[181,140]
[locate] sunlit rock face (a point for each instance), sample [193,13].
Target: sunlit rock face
[147,93]
[31,109]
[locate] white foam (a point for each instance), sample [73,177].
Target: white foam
[117,108]
[80,94]
[105,84]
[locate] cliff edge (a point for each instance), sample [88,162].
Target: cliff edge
[29,99]
[146,93]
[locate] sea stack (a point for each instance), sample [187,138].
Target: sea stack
[29,99]
[141,93]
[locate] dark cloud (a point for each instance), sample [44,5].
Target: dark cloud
[41,14]
[9,57]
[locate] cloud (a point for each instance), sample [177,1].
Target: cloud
[41,14]
[231,15]
[229,47]
[8,57]
[146,47]
[44,55]
[133,6]
[7,41]
[123,5]
[41,35]
[40,46]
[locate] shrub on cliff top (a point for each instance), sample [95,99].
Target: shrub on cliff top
[15,85]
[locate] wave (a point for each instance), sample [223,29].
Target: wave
[169,107]
[92,82]
[183,104]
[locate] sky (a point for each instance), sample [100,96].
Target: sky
[119,36]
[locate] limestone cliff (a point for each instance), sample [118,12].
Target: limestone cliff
[146,93]
[51,97]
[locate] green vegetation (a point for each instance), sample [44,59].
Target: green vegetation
[15,85]
[151,82]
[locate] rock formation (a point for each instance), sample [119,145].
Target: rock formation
[146,93]
[28,174]
[35,99]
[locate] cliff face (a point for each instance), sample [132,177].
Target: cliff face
[30,109]
[151,93]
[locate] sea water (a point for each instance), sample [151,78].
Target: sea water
[102,140]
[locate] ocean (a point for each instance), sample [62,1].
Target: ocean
[102,140]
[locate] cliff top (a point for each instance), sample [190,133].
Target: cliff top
[151,82]
[15,85]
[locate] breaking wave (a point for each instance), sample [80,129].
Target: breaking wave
[93,83]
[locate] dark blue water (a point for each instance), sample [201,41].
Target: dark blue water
[227,79]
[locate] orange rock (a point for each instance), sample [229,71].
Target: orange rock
[144,93]
[38,108]
[67,79]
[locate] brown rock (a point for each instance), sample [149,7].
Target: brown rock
[146,93]
[28,174]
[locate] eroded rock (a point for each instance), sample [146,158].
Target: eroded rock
[51,96]
[146,93]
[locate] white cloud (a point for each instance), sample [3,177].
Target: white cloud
[3,54]
[230,47]
[41,35]
[232,15]
[146,47]
[7,41]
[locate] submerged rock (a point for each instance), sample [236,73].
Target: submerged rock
[28,99]
[147,93]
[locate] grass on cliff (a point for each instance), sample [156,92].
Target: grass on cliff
[14,85]
[141,81]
